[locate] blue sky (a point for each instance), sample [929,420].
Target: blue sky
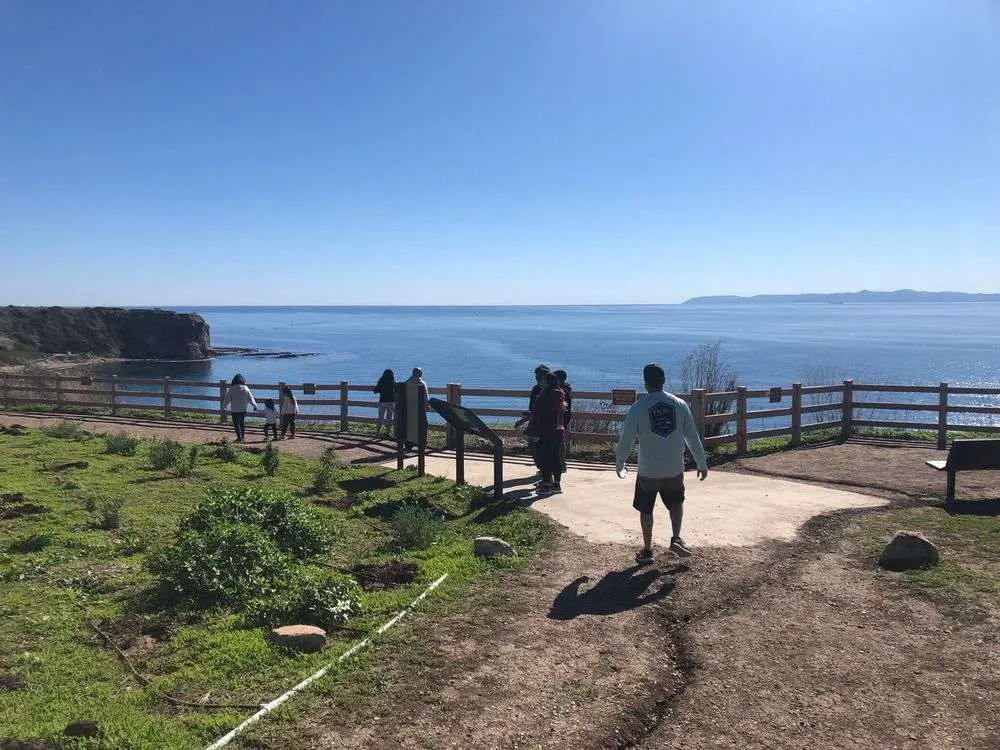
[623,151]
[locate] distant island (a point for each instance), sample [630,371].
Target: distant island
[838,298]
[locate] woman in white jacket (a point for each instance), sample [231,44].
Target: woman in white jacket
[238,397]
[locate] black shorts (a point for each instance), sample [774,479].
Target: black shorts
[671,489]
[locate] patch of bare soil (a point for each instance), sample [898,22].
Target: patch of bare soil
[136,635]
[10,682]
[877,469]
[553,655]
[350,448]
[820,649]
[389,574]
[22,510]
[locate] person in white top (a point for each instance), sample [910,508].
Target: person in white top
[288,407]
[663,425]
[238,397]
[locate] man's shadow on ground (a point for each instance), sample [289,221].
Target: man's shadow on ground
[619,591]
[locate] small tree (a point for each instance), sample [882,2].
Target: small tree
[269,459]
[705,367]
[823,374]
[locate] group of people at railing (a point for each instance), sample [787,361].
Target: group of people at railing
[239,398]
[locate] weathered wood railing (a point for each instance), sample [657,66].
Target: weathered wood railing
[843,407]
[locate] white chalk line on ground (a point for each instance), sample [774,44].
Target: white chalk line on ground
[268,707]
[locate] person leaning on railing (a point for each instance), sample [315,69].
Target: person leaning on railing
[386,390]
[288,408]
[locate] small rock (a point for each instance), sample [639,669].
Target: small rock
[491,546]
[299,637]
[82,729]
[908,550]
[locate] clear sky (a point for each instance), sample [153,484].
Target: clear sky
[526,152]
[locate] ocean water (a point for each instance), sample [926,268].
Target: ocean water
[604,346]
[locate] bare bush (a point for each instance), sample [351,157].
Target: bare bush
[706,368]
[823,374]
[602,423]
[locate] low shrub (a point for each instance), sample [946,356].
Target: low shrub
[324,600]
[187,463]
[242,547]
[164,454]
[415,527]
[227,563]
[323,481]
[269,460]
[329,457]
[66,431]
[108,513]
[294,526]
[121,444]
[226,451]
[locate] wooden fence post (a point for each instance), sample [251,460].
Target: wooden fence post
[344,414]
[59,393]
[454,396]
[6,401]
[942,433]
[114,394]
[741,420]
[168,406]
[698,410]
[847,414]
[796,415]
[222,402]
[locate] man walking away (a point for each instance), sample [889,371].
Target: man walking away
[663,424]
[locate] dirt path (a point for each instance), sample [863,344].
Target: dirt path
[567,653]
[352,448]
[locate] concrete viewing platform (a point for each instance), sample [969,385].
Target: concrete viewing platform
[726,509]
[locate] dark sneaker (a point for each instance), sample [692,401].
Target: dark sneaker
[645,557]
[556,489]
[679,548]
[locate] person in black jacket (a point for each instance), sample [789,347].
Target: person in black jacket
[540,375]
[567,390]
[386,390]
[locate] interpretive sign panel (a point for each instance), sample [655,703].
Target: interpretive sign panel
[463,419]
[622,397]
[775,394]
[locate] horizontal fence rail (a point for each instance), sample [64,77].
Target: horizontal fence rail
[723,417]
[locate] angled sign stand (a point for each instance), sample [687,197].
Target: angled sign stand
[465,420]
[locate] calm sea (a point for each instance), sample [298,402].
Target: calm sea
[603,347]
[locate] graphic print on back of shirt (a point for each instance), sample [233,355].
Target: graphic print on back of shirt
[662,418]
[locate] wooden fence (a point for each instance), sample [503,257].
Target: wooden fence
[791,412]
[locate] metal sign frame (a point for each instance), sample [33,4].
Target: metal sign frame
[463,420]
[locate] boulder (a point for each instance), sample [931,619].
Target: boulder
[82,729]
[299,637]
[908,550]
[491,546]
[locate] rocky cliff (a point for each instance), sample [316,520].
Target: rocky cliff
[102,331]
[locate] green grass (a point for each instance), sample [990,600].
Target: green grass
[968,575]
[58,568]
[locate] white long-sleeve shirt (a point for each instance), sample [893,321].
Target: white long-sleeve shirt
[238,397]
[663,424]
